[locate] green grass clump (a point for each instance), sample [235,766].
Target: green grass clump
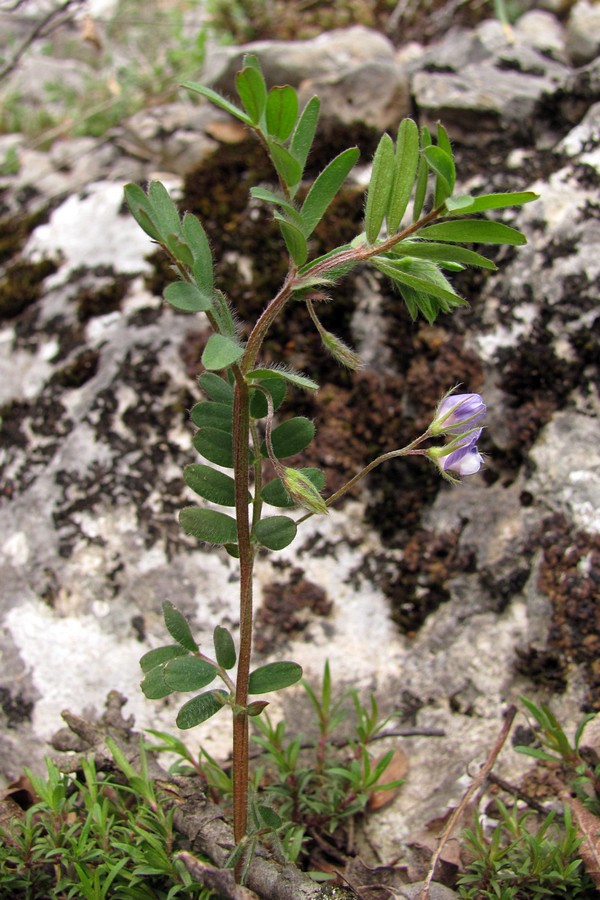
[94,836]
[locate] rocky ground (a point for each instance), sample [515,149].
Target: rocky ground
[447,602]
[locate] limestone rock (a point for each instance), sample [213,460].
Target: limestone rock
[284,62]
[583,32]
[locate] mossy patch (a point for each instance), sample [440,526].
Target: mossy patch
[569,576]
[420,583]
[21,286]
[286,609]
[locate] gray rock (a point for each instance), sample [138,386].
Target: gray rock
[285,62]
[374,93]
[583,32]
[436,891]
[487,97]
[543,32]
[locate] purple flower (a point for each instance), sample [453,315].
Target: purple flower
[465,459]
[458,414]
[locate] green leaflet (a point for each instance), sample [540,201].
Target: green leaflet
[274,677]
[211,484]
[251,87]
[291,437]
[215,415]
[161,655]
[325,187]
[215,445]
[216,388]
[141,209]
[406,161]
[282,111]
[178,627]
[442,253]
[294,378]
[275,388]
[208,525]
[442,164]
[220,352]
[166,214]
[304,132]
[200,708]
[224,647]
[187,297]
[188,673]
[476,231]
[202,263]
[294,238]
[217,100]
[422,175]
[274,532]
[154,686]
[288,168]
[378,194]
[456,207]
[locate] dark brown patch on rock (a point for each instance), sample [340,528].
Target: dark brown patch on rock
[22,285]
[420,583]
[285,609]
[570,577]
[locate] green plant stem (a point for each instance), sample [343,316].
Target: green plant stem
[393,454]
[294,281]
[241,455]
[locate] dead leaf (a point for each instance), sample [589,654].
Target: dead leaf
[588,826]
[20,792]
[396,770]
[90,33]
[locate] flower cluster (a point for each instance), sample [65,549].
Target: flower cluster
[460,417]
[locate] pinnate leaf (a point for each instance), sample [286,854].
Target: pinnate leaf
[274,677]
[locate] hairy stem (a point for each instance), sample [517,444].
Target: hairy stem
[241,455]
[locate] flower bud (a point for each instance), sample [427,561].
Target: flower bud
[302,490]
[458,414]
